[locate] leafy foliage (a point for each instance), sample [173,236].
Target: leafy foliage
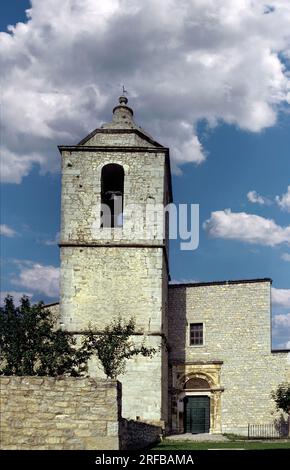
[30,344]
[281,396]
[114,346]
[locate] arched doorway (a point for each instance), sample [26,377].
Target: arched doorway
[196,406]
[196,380]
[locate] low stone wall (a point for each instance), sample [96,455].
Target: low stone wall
[137,435]
[59,413]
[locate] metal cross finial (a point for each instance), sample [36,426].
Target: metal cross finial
[124,91]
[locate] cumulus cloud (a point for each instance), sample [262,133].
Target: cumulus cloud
[248,228]
[256,198]
[181,62]
[281,297]
[284,200]
[7,231]
[15,166]
[38,278]
[281,330]
[285,256]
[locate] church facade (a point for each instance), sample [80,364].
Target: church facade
[214,369]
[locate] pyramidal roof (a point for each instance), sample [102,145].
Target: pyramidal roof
[122,130]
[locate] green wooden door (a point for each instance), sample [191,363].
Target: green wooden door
[196,414]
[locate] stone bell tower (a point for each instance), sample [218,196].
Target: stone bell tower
[116,263]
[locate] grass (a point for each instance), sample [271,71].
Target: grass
[246,445]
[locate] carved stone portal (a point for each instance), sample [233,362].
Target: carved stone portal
[192,379]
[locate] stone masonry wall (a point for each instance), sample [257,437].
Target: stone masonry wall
[237,331]
[118,139]
[61,414]
[144,185]
[55,313]
[137,435]
[143,378]
[100,283]
[103,277]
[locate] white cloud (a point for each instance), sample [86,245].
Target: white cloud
[285,256]
[54,241]
[282,321]
[256,198]
[15,294]
[180,61]
[7,231]
[188,150]
[281,330]
[15,166]
[281,297]
[38,278]
[284,344]
[284,200]
[249,228]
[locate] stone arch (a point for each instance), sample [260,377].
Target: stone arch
[205,380]
[186,379]
[97,189]
[197,383]
[111,161]
[98,173]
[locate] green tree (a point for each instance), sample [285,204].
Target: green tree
[30,344]
[281,396]
[114,346]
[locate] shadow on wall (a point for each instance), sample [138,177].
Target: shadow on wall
[177,332]
[136,435]
[177,324]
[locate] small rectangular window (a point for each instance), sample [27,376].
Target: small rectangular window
[196,334]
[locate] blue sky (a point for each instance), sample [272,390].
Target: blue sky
[223,146]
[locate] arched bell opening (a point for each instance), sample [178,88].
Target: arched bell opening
[112,195]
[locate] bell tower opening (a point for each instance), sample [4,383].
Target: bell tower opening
[112,195]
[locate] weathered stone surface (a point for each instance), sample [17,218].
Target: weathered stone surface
[137,435]
[25,424]
[237,332]
[110,272]
[121,271]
